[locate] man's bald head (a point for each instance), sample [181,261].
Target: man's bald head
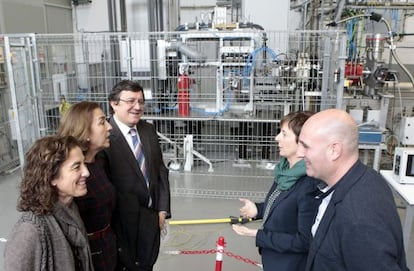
[336,125]
[328,143]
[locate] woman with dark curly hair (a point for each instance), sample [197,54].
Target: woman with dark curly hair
[50,234]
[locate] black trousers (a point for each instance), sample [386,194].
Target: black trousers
[138,234]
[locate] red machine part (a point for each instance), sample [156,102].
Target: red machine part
[183,86]
[354,72]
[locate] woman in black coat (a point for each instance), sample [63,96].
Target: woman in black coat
[289,208]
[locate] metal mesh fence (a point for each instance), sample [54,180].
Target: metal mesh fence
[19,118]
[9,157]
[228,89]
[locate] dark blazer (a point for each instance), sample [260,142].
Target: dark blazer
[135,224]
[360,229]
[285,238]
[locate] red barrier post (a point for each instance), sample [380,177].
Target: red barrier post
[219,253]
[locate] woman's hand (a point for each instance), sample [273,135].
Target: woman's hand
[243,230]
[249,209]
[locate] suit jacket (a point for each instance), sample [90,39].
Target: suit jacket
[360,229]
[285,238]
[135,224]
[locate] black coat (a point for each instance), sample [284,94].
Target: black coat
[360,229]
[136,225]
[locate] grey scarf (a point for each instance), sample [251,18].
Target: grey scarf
[74,231]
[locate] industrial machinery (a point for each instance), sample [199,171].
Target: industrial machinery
[372,80]
[226,84]
[246,71]
[245,78]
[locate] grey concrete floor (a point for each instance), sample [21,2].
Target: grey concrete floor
[188,247]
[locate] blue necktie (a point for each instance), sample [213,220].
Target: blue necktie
[139,154]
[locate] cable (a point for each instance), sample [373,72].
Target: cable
[252,58]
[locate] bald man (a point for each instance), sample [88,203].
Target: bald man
[357,226]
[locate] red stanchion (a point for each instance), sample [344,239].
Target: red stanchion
[219,253]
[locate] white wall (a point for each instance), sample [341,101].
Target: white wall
[137,15]
[272,15]
[193,10]
[92,17]
[23,16]
[35,16]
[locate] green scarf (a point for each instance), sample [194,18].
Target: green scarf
[285,177]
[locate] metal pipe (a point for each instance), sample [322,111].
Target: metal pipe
[187,51]
[123,14]
[111,16]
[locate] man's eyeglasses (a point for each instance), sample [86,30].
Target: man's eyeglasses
[133,102]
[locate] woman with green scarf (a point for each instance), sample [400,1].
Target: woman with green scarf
[289,208]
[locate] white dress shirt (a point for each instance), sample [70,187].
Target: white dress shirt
[125,132]
[321,210]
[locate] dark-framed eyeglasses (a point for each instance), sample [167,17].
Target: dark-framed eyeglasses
[133,102]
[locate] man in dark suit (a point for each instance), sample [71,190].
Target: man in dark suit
[140,178]
[357,227]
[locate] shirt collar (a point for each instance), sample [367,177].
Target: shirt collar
[122,126]
[324,190]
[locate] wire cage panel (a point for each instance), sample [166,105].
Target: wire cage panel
[21,101]
[9,157]
[226,89]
